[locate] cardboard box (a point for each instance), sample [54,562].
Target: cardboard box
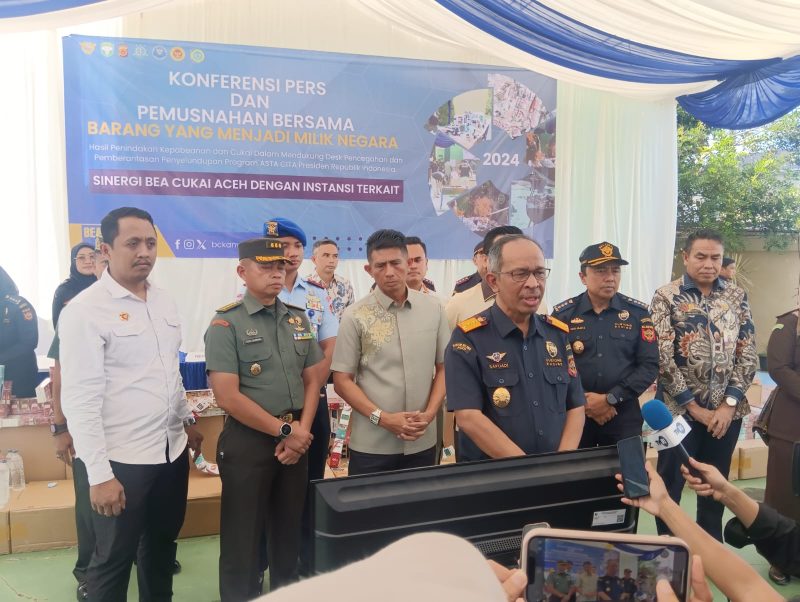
[753,455]
[754,394]
[203,505]
[733,474]
[211,427]
[42,517]
[5,538]
[35,444]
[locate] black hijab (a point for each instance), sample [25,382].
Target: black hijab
[7,285]
[72,285]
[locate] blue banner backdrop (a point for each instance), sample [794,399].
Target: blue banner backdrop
[214,139]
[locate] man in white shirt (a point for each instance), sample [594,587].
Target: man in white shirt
[123,397]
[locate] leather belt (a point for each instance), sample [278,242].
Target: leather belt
[289,416]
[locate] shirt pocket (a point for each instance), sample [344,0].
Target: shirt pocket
[557,381]
[129,345]
[255,365]
[501,385]
[171,331]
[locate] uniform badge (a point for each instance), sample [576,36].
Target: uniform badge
[606,249]
[123,316]
[576,321]
[572,370]
[552,350]
[472,323]
[251,332]
[578,347]
[496,356]
[255,369]
[272,228]
[303,336]
[224,323]
[624,315]
[462,347]
[501,397]
[27,314]
[648,333]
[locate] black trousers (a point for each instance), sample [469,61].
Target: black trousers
[260,497]
[155,497]
[83,520]
[703,447]
[609,433]
[364,463]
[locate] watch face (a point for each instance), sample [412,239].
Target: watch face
[731,402]
[286,429]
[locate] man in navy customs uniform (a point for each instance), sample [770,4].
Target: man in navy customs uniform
[479,259]
[510,373]
[614,344]
[313,298]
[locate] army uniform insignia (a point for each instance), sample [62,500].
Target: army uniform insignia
[302,336]
[255,340]
[462,347]
[228,307]
[606,249]
[297,323]
[496,356]
[648,333]
[552,350]
[555,322]
[251,332]
[124,316]
[624,315]
[576,321]
[224,323]
[255,369]
[27,314]
[578,347]
[501,397]
[313,302]
[272,228]
[472,323]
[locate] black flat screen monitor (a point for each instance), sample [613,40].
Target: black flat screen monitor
[486,502]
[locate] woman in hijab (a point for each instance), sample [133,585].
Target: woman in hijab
[19,335]
[81,276]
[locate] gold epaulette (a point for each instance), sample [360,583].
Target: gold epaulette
[228,307]
[472,323]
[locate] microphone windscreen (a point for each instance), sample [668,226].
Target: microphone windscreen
[656,414]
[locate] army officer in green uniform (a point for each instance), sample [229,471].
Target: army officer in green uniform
[259,354]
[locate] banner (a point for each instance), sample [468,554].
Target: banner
[215,139]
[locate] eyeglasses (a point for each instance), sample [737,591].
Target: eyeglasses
[87,257]
[522,275]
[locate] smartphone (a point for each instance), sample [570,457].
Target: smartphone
[635,481]
[585,563]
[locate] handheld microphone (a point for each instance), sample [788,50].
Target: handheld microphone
[669,430]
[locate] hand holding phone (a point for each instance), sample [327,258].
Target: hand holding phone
[635,481]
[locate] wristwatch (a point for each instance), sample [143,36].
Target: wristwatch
[57,429]
[190,421]
[611,399]
[731,401]
[286,430]
[375,417]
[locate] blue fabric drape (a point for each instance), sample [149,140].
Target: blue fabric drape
[26,8]
[751,93]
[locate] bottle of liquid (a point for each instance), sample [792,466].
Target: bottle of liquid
[5,482]
[14,460]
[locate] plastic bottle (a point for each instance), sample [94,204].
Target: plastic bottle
[5,482]
[17,468]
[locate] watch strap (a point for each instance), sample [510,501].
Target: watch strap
[58,429]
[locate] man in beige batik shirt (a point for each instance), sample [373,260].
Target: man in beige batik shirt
[389,365]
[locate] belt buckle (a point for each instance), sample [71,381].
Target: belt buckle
[286,417]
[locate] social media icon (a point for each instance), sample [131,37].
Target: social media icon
[188,244]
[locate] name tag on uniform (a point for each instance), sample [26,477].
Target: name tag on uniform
[255,340]
[303,336]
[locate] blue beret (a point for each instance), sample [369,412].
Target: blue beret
[280,226]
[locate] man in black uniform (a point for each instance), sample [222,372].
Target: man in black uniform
[615,347]
[510,374]
[629,588]
[609,586]
[479,259]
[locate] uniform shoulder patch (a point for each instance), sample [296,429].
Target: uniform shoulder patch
[472,323]
[635,302]
[559,306]
[315,283]
[463,280]
[556,323]
[218,322]
[228,307]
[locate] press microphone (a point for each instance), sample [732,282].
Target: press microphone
[670,430]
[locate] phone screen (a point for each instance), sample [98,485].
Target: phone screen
[631,461]
[589,567]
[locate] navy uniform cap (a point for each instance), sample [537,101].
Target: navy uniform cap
[601,253]
[280,226]
[261,250]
